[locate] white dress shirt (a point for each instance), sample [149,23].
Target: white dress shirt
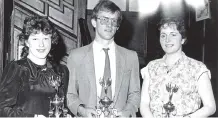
[99,62]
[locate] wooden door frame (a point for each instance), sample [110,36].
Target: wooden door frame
[1,35]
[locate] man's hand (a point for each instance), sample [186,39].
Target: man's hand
[87,112]
[124,114]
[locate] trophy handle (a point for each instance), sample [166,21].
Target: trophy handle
[99,112]
[114,112]
[50,113]
[65,112]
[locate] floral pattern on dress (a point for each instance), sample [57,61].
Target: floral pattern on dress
[173,91]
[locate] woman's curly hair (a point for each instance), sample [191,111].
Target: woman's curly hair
[178,21]
[34,25]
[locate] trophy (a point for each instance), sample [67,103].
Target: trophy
[169,106]
[105,102]
[56,107]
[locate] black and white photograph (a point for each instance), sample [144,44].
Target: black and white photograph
[109,58]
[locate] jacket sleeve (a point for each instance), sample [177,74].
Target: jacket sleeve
[73,100]
[10,85]
[133,100]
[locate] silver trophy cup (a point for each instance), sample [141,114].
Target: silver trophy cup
[56,108]
[169,107]
[105,102]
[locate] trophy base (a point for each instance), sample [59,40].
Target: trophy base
[107,113]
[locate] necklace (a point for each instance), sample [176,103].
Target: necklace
[171,67]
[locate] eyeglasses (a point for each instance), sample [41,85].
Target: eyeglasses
[107,21]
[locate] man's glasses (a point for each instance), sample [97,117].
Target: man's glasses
[107,21]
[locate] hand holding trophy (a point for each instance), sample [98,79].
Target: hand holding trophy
[169,107]
[106,99]
[56,107]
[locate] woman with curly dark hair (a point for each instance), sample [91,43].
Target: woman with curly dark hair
[26,84]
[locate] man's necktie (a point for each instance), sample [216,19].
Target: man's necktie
[107,76]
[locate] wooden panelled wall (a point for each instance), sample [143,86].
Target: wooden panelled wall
[63,13]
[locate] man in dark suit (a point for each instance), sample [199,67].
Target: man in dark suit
[91,64]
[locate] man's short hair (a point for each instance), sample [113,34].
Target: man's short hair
[107,6]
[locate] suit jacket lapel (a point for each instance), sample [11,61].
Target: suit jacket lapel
[120,62]
[90,68]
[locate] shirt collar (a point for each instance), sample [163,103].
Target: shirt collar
[181,59]
[98,47]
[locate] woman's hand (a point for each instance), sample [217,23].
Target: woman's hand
[42,116]
[186,117]
[68,116]
[180,116]
[39,116]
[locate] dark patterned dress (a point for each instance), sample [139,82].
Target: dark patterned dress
[25,88]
